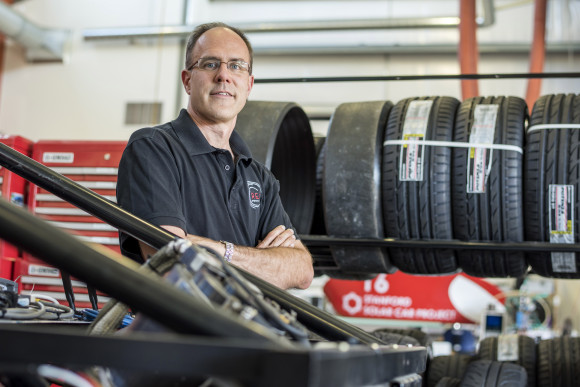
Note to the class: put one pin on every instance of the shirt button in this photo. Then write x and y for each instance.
(227, 167)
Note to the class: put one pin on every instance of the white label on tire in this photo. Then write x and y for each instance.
(507, 348)
(415, 129)
(479, 161)
(562, 226)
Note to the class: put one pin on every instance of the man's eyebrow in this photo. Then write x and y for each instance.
(229, 60)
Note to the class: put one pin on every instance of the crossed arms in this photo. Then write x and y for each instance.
(279, 258)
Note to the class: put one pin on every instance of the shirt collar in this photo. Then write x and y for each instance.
(195, 142)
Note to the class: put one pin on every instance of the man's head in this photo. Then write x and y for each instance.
(201, 29)
(218, 76)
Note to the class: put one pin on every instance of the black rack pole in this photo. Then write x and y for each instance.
(325, 241)
(323, 324)
(374, 78)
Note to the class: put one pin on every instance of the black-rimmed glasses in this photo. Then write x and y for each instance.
(213, 64)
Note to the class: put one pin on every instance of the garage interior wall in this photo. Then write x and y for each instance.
(84, 96)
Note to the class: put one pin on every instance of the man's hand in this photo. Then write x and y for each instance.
(278, 237)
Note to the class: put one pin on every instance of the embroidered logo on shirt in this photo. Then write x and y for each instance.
(255, 194)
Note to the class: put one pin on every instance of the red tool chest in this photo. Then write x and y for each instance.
(14, 189)
(93, 164)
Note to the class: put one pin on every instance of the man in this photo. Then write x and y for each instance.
(194, 177)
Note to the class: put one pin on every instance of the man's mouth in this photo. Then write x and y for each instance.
(222, 93)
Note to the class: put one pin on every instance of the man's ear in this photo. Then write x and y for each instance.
(185, 78)
(250, 83)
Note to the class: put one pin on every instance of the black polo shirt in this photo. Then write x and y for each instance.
(171, 175)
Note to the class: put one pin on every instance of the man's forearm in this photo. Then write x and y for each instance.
(279, 259)
(276, 262)
(285, 267)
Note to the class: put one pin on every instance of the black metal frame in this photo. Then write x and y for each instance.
(248, 361)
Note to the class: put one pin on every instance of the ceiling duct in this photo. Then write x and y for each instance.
(183, 31)
(41, 44)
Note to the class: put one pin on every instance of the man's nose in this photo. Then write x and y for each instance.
(223, 73)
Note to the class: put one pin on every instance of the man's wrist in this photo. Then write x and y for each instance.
(229, 250)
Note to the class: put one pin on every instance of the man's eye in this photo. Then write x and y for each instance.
(235, 66)
(210, 65)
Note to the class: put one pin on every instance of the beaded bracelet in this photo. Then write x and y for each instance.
(229, 250)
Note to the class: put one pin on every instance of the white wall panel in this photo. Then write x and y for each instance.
(85, 97)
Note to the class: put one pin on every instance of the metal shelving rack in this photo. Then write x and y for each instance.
(363, 361)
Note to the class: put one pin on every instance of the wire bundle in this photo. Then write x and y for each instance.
(41, 310)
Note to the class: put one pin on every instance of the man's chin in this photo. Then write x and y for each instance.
(225, 112)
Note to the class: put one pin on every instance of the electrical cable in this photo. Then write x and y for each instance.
(62, 375)
(160, 263)
(112, 314)
(43, 297)
(41, 310)
(268, 310)
(34, 311)
(56, 311)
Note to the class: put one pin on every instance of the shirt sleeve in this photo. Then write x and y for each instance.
(148, 186)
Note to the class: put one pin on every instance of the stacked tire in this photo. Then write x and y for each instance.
(521, 350)
(552, 176)
(280, 137)
(558, 362)
(489, 373)
(417, 182)
(434, 169)
(550, 363)
(351, 193)
(451, 368)
(469, 371)
(473, 371)
(488, 184)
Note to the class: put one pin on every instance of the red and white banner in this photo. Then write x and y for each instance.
(400, 296)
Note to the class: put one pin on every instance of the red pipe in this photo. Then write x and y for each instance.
(537, 53)
(468, 52)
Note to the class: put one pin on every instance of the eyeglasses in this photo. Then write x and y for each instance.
(212, 64)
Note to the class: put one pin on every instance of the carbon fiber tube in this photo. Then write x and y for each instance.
(83, 198)
(118, 277)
